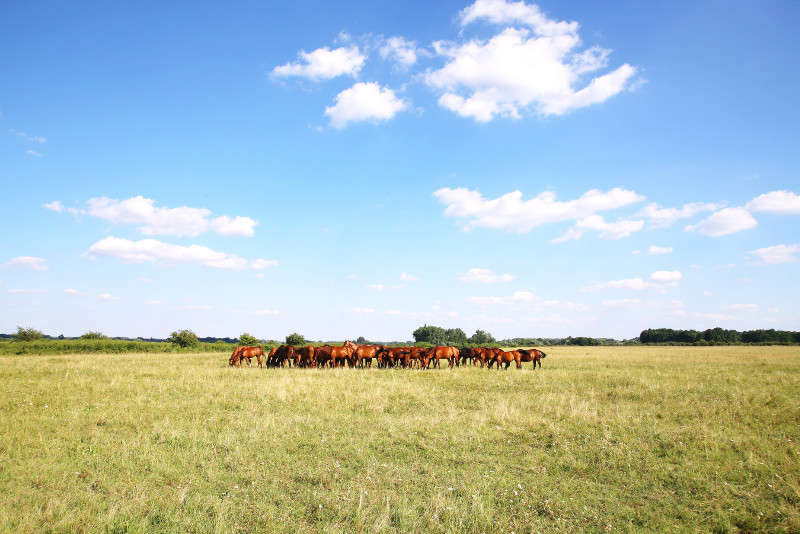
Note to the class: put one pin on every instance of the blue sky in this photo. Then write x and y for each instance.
(345, 169)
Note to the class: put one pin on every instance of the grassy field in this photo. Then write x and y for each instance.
(618, 439)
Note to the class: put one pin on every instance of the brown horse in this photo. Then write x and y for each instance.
(248, 353)
(532, 355)
(440, 353)
(322, 356)
(506, 357)
(283, 354)
(365, 354)
(304, 356)
(344, 354)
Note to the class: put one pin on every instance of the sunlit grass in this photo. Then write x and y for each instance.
(609, 438)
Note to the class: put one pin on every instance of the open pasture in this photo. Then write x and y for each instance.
(619, 439)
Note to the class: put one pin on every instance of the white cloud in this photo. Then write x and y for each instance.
(484, 276)
(519, 70)
(27, 262)
(519, 297)
(183, 221)
(380, 288)
(655, 250)
(669, 277)
(364, 102)
(263, 264)
(658, 281)
(75, 293)
(777, 254)
(34, 138)
(779, 202)
(402, 51)
(108, 296)
(509, 212)
(724, 222)
(617, 230)
(743, 307)
(360, 311)
(663, 217)
(23, 291)
(152, 251)
(407, 277)
(323, 64)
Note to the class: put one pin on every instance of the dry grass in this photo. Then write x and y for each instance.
(605, 438)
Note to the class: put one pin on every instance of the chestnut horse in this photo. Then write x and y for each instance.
(440, 353)
(345, 353)
(532, 355)
(506, 358)
(247, 353)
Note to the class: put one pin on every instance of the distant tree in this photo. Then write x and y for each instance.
(27, 334)
(248, 340)
(93, 335)
(481, 338)
(455, 336)
(184, 338)
(361, 340)
(295, 339)
(434, 335)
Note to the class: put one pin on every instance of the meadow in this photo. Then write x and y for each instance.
(601, 439)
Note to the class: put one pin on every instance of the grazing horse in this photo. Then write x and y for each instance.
(248, 353)
(391, 356)
(283, 354)
(304, 356)
(506, 357)
(532, 355)
(440, 353)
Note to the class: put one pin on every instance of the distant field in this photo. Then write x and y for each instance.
(619, 439)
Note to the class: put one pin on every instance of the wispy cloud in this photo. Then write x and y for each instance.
(509, 212)
(658, 280)
(153, 251)
(152, 220)
(724, 222)
(484, 276)
(27, 262)
(776, 254)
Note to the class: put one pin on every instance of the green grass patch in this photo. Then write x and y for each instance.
(600, 439)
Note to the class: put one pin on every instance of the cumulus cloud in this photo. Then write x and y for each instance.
(778, 202)
(776, 254)
(536, 66)
(399, 49)
(364, 102)
(323, 64)
(408, 277)
(27, 262)
(484, 276)
(108, 296)
(75, 293)
(509, 212)
(667, 277)
(724, 222)
(154, 251)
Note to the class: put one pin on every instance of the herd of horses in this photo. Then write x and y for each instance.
(352, 355)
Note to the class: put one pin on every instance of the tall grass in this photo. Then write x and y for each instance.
(600, 439)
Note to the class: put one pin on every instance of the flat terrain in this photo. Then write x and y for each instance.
(619, 439)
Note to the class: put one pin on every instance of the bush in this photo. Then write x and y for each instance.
(27, 334)
(184, 339)
(295, 339)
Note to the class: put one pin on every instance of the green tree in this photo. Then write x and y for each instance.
(361, 340)
(295, 339)
(248, 340)
(27, 334)
(481, 338)
(184, 338)
(93, 335)
(434, 335)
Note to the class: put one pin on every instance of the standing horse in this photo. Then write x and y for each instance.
(532, 355)
(506, 358)
(345, 353)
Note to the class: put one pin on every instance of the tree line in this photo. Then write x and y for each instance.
(715, 336)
